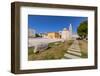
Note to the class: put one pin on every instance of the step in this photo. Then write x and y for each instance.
(74, 52)
(71, 56)
(75, 47)
(77, 50)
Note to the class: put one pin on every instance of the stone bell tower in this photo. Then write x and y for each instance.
(70, 30)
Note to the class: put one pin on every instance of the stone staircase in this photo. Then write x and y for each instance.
(73, 51)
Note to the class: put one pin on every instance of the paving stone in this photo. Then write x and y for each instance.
(77, 50)
(71, 56)
(74, 52)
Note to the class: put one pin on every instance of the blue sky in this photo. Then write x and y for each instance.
(48, 23)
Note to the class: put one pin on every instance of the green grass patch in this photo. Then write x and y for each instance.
(84, 48)
(30, 50)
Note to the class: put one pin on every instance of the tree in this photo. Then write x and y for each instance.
(83, 29)
(37, 35)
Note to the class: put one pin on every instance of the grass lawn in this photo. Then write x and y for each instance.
(84, 48)
(54, 51)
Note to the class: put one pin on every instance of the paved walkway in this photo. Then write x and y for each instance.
(73, 51)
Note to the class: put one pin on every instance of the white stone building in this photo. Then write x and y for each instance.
(66, 34)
